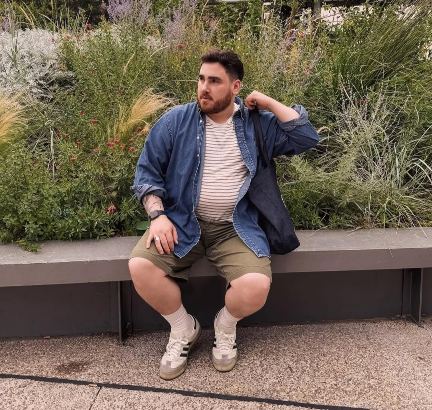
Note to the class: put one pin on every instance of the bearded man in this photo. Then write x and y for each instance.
(192, 178)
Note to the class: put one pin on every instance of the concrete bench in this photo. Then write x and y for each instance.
(86, 261)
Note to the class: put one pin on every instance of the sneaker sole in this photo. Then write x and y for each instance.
(180, 370)
(224, 367)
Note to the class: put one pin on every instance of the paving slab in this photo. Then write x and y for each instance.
(28, 394)
(373, 364)
(109, 398)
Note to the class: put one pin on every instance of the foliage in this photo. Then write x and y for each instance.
(89, 96)
(12, 118)
(51, 14)
(29, 63)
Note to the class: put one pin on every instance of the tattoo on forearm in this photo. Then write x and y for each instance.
(152, 203)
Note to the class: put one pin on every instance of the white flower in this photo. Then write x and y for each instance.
(28, 61)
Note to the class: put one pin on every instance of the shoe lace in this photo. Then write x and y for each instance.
(225, 341)
(175, 347)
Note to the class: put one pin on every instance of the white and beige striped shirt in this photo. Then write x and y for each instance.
(224, 172)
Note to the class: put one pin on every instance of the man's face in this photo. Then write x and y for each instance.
(216, 90)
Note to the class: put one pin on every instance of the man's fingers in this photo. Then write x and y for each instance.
(170, 241)
(159, 247)
(175, 235)
(149, 239)
(164, 243)
(251, 103)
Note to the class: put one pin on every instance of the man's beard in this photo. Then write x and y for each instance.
(217, 106)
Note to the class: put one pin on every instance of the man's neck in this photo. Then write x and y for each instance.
(223, 116)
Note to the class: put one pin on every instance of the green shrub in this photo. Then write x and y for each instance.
(68, 174)
(52, 14)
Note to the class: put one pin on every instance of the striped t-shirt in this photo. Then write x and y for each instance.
(224, 171)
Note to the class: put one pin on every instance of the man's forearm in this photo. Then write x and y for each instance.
(282, 112)
(152, 203)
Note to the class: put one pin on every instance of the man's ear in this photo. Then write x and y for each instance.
(237, 86)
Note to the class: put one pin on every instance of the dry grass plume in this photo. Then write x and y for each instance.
(136, 119)
(11, 117)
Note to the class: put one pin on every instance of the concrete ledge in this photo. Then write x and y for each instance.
(63, 262)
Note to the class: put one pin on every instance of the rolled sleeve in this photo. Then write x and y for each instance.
(153, 161)
(302, 120)
(145, 189)
(289, 137)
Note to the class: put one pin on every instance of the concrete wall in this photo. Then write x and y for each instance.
(76, 309)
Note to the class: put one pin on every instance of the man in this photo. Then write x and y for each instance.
(192, 178)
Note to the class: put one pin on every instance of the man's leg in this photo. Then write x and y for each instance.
(163, 294)
(247, 294)
(160, 291)
(250, 278)
(150, 273)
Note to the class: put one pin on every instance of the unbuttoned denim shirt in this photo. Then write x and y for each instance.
(171, 167)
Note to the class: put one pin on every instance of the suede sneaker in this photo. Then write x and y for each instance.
(174, 360)
(224, 352)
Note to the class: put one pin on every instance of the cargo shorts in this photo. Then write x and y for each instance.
(221, 245)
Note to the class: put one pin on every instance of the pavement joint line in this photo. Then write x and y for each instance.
(191, 393)
(94, 400)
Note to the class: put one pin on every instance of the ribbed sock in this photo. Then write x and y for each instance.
(180, 321)
(226, 321)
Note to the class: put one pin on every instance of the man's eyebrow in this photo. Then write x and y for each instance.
(211, 77)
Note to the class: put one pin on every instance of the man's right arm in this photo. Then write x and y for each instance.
(152, 203)
(153, 162)
(149, 184)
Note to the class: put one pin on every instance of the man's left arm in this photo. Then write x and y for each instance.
(287, 130)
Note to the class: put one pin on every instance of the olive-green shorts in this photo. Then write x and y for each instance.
(221, 245)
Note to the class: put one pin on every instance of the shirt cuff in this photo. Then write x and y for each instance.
(302, 120)
(145, 189)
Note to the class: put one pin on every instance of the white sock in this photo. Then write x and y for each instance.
(226, 321)
(180, 321)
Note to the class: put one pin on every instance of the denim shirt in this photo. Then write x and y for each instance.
(171, 166)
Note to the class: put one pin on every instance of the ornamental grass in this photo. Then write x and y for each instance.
(366, 83)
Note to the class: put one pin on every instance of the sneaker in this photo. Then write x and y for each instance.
(224, 352)
(174, 360)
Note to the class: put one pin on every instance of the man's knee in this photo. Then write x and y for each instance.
(141, 269)
(253, 287)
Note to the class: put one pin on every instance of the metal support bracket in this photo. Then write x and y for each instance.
(125, 327)
(412, 294)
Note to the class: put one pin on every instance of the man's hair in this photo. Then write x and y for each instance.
(228, 59)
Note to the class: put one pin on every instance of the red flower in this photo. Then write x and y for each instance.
(111, 209)
(82, 113)
(93, 121)
(110, 144)
(132, 149)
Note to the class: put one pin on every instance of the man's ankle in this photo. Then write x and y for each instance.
(225, 321)
(180, 321)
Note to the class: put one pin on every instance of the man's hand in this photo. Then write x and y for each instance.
(164, 234)
(259, 100)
